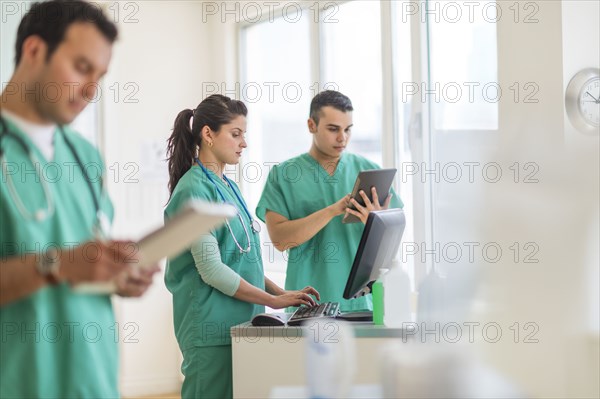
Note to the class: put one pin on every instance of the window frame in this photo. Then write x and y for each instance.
(390, 137)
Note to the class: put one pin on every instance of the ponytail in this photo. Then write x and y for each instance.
(181, 148)
(214, 111)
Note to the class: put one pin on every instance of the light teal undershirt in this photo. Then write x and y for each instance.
(211, 268)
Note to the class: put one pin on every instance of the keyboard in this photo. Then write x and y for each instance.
(323, 310)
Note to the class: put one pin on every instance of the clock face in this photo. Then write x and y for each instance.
(582, 101)
(589, 102)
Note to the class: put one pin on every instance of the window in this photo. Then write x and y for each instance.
(464, 66)
(276, 86)
(351, 60)
(402, 72)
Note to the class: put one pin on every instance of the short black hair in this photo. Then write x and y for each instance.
(329, 98)
(51, 19)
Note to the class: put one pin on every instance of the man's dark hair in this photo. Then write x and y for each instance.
(51, 19)
(329, 98)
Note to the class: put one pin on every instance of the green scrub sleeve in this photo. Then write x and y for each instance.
(396, 202)
(273, 198)
(212, 270)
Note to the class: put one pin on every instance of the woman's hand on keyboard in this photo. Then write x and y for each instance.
(295, 298)
(311, 291)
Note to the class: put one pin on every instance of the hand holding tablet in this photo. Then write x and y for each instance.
(380, 179)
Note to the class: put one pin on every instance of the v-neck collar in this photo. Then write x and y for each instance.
(215, 178)
(235, 197)
(338, 169)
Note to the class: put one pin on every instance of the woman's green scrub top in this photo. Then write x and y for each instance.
(299, 187)
(55, 342)
(202, 314)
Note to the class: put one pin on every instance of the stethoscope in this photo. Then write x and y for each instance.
(253, 223)
(40, 215)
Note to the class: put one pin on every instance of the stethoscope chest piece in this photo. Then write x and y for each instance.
(41, 215)
(255, 226)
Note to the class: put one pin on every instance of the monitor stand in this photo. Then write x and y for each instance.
(356, 316)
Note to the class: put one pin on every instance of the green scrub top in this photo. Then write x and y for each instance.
(299, 187)
(55, 342)
(202, 314)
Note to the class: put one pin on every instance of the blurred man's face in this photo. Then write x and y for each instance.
(69, 80)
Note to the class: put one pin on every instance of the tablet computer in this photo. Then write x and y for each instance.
(195, 218)
(381, 179)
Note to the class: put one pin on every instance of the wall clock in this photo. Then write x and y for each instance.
(582, 101)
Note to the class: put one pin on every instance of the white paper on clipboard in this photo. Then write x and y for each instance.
(197, 217)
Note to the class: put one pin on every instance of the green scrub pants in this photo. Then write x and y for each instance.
(207, 372)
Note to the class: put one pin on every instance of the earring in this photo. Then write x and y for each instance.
(210, 144)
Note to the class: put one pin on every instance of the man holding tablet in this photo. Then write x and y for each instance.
(306, 197)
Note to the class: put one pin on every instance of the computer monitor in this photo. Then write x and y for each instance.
(378, 245)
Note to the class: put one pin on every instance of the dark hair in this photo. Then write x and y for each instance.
(329, 98)
(214, 111)
(51, 19)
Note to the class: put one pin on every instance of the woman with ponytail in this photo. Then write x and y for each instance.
(220, 282)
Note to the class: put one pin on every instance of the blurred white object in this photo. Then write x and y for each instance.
(396, 296)
(364, 391)
(330, 358)
(416, 370)
(431, 305)
(546, 296)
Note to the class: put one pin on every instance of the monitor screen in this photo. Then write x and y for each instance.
(378, 246)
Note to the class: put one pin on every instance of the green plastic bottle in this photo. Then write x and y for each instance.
(378, 310)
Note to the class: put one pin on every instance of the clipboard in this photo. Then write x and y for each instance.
(197, 217)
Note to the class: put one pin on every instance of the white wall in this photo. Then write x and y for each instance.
(581, 49)
(10, 17)
(558, 214)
